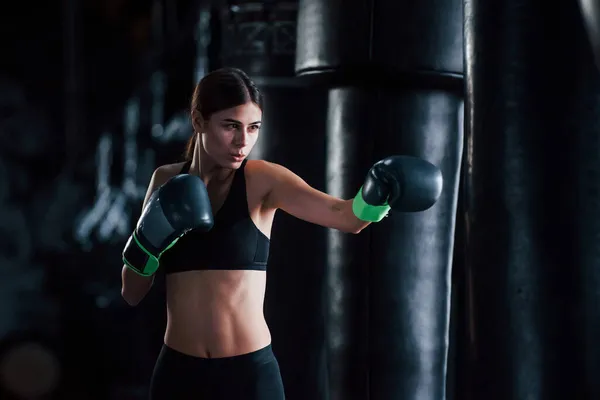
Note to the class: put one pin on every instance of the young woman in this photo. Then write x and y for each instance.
(217, 343)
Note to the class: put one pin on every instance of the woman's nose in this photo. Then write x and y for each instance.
(241, 138)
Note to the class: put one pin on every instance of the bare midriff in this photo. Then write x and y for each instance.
(216, 313)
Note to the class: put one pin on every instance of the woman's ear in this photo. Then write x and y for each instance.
(197, 121)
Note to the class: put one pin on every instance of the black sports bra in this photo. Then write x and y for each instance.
(234, 242)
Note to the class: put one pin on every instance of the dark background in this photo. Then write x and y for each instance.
(492, 294)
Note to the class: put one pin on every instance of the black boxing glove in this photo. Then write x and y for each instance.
(178, 206)
(400, 183)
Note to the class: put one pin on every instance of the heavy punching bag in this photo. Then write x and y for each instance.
(519, 200)
(394, 74)
(590, 11)
(584, 122)
(260, 38)
(348, 255)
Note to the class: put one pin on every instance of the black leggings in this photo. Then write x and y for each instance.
(252, 376)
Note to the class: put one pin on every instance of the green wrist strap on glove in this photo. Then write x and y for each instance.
(367, 212)
(140, 260)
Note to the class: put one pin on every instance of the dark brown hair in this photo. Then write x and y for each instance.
(219, 90)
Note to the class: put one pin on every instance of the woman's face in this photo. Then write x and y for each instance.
(229, 135)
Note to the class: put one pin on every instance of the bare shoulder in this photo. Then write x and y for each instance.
(258, 167)
(166, 172)
(160, 176)
(260, 178)
(257, 174)
(267, 178)
(266, 170)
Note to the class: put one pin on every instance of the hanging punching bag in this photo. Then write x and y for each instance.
(584, 122)
(519, 200)
(394, 74)
(260, 38)
(348, 255)
(590, 11)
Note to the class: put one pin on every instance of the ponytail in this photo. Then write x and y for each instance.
(190, 147)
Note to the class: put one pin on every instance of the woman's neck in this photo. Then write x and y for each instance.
(203, 166)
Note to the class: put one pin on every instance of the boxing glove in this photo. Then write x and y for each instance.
(400, 183)
(176, 207)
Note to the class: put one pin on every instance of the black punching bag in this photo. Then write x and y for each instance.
(260, 38)
(584, 122)
(590, 11)
(394, 74)
(519, 208)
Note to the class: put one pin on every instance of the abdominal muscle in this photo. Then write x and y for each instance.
(216, 313)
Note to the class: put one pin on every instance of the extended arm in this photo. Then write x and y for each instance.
(293, 195)
(401, 183)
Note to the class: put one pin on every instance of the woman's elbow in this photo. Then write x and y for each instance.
(132, 298)
(129, 298)
(134, 288)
